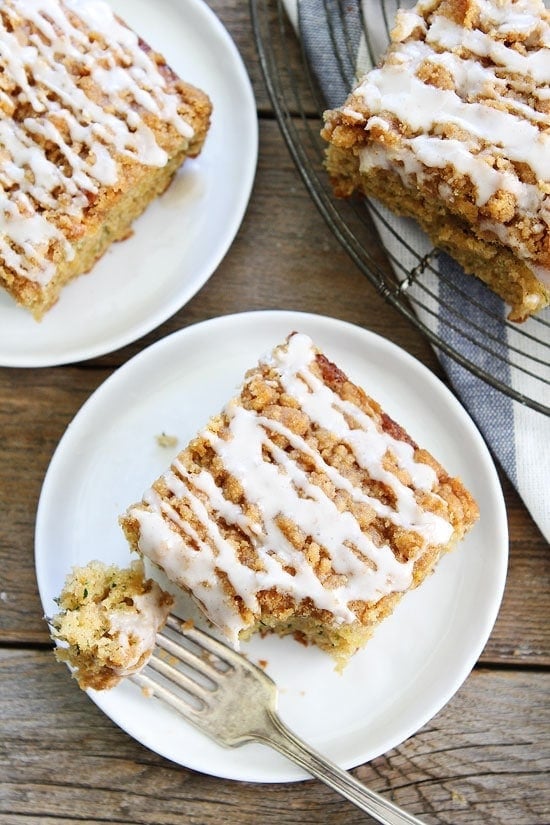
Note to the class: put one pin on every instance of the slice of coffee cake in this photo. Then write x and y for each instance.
(93, 126)
(453, 129)
(301, 508)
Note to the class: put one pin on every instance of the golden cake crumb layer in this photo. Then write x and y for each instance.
(108, 620)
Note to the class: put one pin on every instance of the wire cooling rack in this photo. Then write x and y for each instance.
(513, 358)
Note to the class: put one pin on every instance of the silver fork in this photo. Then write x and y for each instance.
(234, 702)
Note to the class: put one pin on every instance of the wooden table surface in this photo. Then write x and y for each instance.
(483, 759)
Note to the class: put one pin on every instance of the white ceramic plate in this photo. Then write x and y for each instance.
(182, 237)
(418, 657)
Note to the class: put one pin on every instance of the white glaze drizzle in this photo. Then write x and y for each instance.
(136, 627)
(510, 130)
(277, 487)
(124, 76)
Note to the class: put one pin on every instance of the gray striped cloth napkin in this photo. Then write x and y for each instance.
(518, 437)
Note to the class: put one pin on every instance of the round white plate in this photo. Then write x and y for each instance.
(182, 237)
(419, 656)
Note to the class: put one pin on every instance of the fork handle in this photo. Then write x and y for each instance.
(286, 742)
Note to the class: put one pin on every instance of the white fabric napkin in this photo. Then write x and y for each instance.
(518, 436)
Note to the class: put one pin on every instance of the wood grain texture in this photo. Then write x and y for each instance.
(483, 760)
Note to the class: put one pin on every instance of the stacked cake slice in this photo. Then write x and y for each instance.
(453, 129)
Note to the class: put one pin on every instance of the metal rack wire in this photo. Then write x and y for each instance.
(404, 274)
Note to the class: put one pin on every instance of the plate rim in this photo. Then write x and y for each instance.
(248, 121)
(331, 324)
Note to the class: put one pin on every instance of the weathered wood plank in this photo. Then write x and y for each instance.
(483, 759)
(237, 19)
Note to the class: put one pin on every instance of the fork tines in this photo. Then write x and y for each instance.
(185, 658)
(234, 702)
(210, 684)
